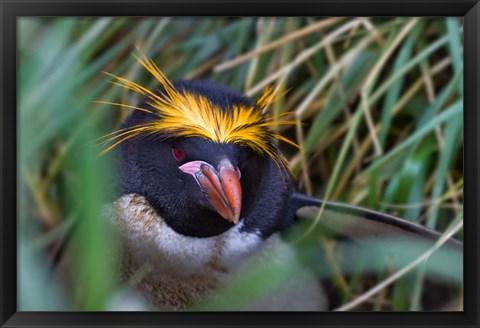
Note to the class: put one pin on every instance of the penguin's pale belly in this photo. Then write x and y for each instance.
(181, 270)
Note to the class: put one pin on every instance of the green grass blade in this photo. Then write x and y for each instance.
(453, 111)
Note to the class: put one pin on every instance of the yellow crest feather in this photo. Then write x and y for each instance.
(183, 114)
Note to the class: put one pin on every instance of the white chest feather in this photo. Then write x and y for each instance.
(183, 270)
(174, 259)
(153, 240)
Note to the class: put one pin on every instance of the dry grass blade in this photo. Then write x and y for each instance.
(419, 260)
(303, 56)
(365, 93)
(331, 74)
(378, 36)
(451, 195)
(303, 159)
(277, 43)
(349, 171)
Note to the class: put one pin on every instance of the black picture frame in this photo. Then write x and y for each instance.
(10, 10)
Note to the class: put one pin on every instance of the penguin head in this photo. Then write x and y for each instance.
(203, 155)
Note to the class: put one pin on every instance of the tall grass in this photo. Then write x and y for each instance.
(380, 106)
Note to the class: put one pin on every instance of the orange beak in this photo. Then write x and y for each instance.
(222, 188)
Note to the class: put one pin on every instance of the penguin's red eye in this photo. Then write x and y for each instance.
(177, 154)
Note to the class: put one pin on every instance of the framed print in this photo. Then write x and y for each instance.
(235, 163)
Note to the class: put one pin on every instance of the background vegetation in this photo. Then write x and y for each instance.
(380, 102)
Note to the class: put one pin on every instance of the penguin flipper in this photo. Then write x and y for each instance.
(357, 223)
